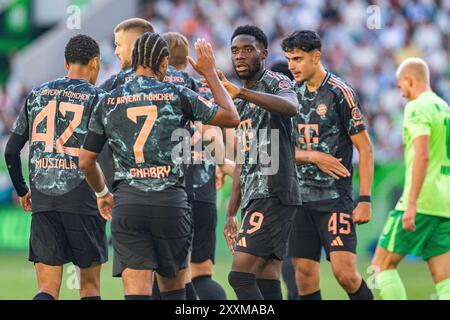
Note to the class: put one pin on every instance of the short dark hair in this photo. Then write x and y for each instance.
(250, 30)
(282, 67)
(81, 49)
(149, 51)
(138, 24)
(305, 40)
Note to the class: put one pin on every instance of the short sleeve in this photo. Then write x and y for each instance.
(21, 126)
(417, 121)
(197, 107)
(280, 84)
(350, 112)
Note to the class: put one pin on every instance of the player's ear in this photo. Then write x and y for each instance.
(316, 56)
(66, 64)
(263, 54)
(95, 63)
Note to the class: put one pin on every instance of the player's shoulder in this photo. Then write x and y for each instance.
(341, 88)
(275, 79)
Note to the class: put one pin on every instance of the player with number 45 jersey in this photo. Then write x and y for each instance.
(328, 125)
(66, 225)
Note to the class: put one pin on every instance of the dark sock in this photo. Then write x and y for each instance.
(174, 295)
(156, 294)
(288, 273)
(43, 296)
(137, 297)
(191, 294)
(363, 293)
(270, 289)
(208, 289)
(245, 286)
(312, 296)
(91, 298)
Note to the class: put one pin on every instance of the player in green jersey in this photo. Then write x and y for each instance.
(420, 223)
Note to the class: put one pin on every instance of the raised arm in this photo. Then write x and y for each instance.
(227, 115)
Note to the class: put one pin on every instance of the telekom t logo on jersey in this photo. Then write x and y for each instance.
(309, 133)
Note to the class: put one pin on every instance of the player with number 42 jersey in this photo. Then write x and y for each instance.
(65, 225)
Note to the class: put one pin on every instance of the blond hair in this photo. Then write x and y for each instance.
(137, 24)
(178, 47)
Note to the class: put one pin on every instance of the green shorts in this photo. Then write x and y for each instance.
(430, 239)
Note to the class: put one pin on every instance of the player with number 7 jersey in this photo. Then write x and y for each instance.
(66, 225)
(143, 122)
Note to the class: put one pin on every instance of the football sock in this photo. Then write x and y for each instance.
(208, 289)
(91, 298)
(245, 286)
(156, 294)
(270, 289)
(190, 292)
(443, 289)
(363, 293)
(312, 296)
(179, 294)
(288, 272)
(391, 285)
(137, 297)
(43, 296)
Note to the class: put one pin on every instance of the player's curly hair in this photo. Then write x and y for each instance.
(81, 49)
(305, 40)
(149, 51)
(251, 30)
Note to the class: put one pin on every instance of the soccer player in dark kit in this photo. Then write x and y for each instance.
(65, 225)
(268, 200)
(327, 127)
(125, 35)
(151, 226)
(200, 178)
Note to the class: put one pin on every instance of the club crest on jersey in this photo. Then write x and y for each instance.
(205, 101)
(321, 109)
(356, 114)
(284, 84)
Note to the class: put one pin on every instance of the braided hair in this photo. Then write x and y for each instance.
(149, 51)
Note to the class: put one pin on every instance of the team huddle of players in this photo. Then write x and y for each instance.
(107, 153)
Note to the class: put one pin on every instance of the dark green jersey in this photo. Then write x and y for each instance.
(254, 133)
(55, 119)
(200, 174)
(204, 167)
(139, 121)
(327, 119)
(105, 158)
(178, 77)
(117, 79)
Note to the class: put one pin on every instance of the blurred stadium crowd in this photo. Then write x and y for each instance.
(365, 57)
